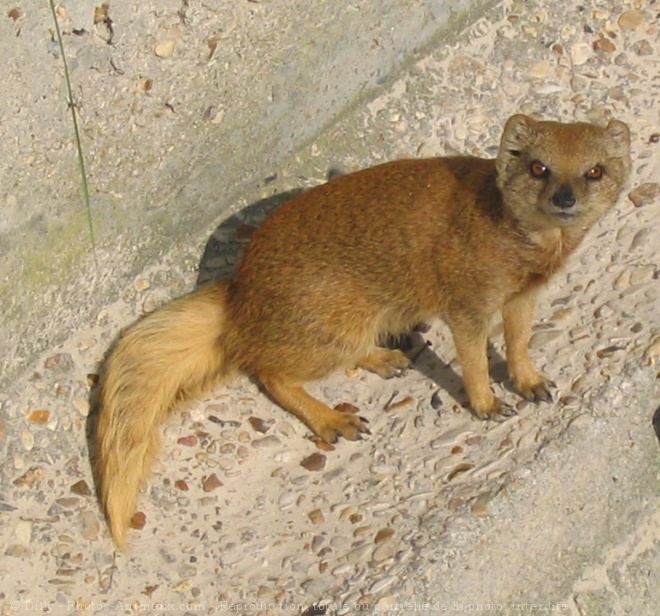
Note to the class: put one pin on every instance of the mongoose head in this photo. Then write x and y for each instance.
(560, 175)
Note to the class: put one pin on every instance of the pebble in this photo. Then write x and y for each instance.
(89, 525)
(27, 440)
(315, 462)
(266, 442)
(359, 554)
(211, 483)
(286, 500)
(165, 49)
(385, 550)
(81, 488)
(652, 351)
(644, 194)
(39, 417)
(603, 44)
(631, 20)
(23, 532)
(81, 405)
(641, 274)
(316, 516)
(382, 584)
(541, 70)
(141, 284)
(60, 363)
(580, 53)
(542, 338)
(642, 237)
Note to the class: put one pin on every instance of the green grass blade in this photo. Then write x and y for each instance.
(74, 117)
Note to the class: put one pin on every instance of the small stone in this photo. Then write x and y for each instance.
(459, 469)
(382, 584)
(211, 483)
(652, 351)
(82, 404)
(89, 525)
(266, 441)
(399, 404)
(480, 507)
(603, 44)
(81, 488)
(359, 554)
(138, 521)
(386, 604)
(286, 500)
(321, 444)
(642, 274)
(580, 53)
(165, 49)
(260, 425)
(609, 351)
(60, 362)
(181, 485)
(68, 502)
(642, 237)
(316, 516)
(385, 550)
(541, 70)
(540, 339)
(17, 551)
(23, 532)
(631, 20)
(27, 439)
(644, 194)
(643, 48)
(383, 535)
(30, 478)
(315, 462)
(188, 441)
(183, 586)
(141, 284)
(39, 417)
(92, 381)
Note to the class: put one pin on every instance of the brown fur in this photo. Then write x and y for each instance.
(368, 254)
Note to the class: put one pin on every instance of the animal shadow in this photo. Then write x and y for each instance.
(227, 242)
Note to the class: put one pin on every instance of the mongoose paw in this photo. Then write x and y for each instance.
(337, 424)
(387, 363)
(540, 392)
(498, 412)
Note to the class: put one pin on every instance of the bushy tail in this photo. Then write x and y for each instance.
(168, 356)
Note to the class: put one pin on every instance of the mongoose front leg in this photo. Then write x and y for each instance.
(385, 362)
(517, 314)
(470, 339)
(326, 423)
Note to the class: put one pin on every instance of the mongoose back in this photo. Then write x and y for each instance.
(331, 273)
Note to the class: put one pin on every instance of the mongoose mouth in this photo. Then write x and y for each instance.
(565, 216)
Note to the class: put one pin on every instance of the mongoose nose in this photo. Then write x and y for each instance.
(563, 198)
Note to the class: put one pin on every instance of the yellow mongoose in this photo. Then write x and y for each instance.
(329, 274)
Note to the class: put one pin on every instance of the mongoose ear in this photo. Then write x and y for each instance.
(516, 134)
(618, 138)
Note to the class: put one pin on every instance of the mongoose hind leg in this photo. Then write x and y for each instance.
(386, 363)
(326, 423)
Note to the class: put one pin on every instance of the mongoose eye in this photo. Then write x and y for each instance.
(595, 173)
(539, 170)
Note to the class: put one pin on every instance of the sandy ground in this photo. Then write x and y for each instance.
(554, 510)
